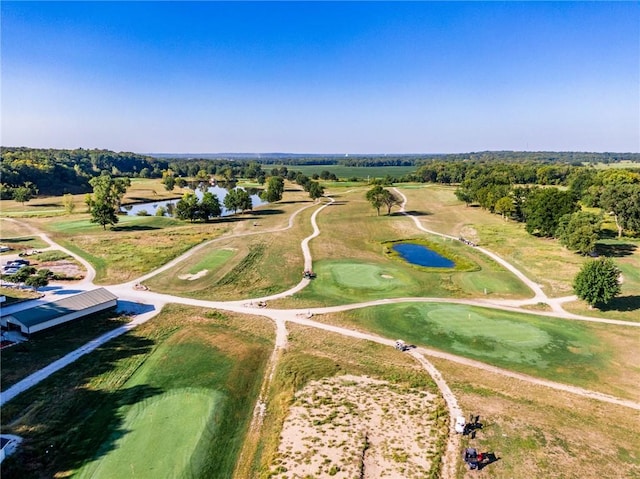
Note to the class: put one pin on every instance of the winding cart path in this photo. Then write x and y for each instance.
(147, 304)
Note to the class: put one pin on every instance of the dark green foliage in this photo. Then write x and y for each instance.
(274, 190)
(374, 196)
(24, 193)
(238, 200)
(209, 206)
(623, 201)
(315, 190)
(187, 207)
(104, 204)
(597, 282)
(543, 209)
(579, 231)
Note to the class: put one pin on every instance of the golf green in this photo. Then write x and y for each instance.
(360, 275)
(548, 346)
(158, 437)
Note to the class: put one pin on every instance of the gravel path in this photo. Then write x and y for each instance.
(154, 303)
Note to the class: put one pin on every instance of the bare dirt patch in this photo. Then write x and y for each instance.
(352, 426)
(68, 268)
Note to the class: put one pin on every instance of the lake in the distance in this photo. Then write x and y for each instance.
(151, 207)
(421, 255)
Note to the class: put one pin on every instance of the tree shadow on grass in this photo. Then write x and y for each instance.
(134, 228)
(623, 303)
(268, 212)
(24, 239)
(615, 250)
(414, 213)
(67, 420)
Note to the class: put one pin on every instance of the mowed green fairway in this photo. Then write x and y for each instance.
(172, 398)
(350, 281)
(566, 351)
(163, 434)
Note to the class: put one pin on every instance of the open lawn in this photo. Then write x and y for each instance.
(439, 210)
(346, 172)
(352, 264)
(593, 356)
(259, 263)
(198, 371)
(543, 433)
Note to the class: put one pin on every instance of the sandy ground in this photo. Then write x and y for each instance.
(349, 427)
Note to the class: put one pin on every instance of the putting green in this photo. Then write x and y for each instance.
(365, 276)
(548, 346)
(486, 335)
(158, 437)
(212, 261)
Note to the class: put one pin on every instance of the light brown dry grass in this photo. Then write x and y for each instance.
(539, 432)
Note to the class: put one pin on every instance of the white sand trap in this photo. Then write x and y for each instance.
(192, 277)
(386, 276)
(340, 427)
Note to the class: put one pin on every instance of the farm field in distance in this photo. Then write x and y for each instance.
(246, 398)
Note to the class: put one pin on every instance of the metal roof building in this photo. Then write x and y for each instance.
(46, 316)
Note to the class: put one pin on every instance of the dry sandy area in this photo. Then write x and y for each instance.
(69, 268)
(357, 427)
(193, 277)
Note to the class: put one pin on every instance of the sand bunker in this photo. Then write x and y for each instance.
(350, 426)
(386, 276)
(193, 277)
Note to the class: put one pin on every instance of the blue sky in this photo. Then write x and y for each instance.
(326, 77)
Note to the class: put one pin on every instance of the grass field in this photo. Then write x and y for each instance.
(171, 425)
(539, 432)
(346, 172)
(253, 265)
(186, 380)
(588, 355)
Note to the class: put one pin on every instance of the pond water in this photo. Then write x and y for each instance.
(421, 255)
(151, 207)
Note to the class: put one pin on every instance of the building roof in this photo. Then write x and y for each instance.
(62, 307)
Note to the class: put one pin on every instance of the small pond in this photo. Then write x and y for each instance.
(421, 255)
(150, 208)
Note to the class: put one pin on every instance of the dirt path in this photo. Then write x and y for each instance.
(128, 295)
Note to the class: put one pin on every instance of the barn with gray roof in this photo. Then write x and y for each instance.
(52, 314)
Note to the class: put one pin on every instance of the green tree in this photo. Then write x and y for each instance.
(244, 200)
(390, 200)
(543, 209)
(274, 189)
(104, 204)
(375, 197)
(24, 193)
(597, 282)
(38, 280)
(316, 190)
(622, 200)
(168, 180)
(209, 206)
(505, 207)
(68, 203)
(579, 231)
(464, 194)
(232, 201)
(187, 207)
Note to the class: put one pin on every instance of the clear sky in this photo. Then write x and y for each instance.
(326, 77)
